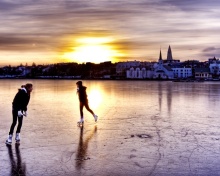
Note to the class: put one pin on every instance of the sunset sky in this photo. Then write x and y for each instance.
(52, 31)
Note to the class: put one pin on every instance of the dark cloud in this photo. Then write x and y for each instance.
(210, 49)
(211, 55)
(6, 6)
(138, 25)
(25, 43)
(193, 5)
(210, 52)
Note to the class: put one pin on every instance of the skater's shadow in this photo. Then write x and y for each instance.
(81, 155)
(17, 167)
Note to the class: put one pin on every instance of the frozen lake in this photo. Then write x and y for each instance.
(144, 128)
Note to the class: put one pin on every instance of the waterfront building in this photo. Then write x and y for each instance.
(182, 72)
(212, 60)
(202, 73)
(133, 69)
(162, 71)
(121, 67)
(214, 67)
(139, 73)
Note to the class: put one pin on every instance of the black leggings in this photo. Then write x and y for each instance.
(14, 122)
(86, 104)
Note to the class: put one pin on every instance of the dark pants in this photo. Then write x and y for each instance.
(86, 104)
(14, 122)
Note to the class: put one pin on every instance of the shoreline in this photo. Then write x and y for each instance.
(110, 79)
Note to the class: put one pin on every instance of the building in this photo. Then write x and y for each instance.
(182, 72)
(139, 73)
(162, 71)
(202, 73)
(121, 67)
(214, 67)
(169, 55)
(170, 59)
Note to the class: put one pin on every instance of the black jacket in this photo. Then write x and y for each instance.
(82, 94)
(21, 100)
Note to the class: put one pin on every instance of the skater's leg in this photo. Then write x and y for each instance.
(14, 122)
(81, 105)
(81, 109)
(20, 120)
(88, 109)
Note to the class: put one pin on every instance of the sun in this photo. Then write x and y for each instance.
(92, 49)
(95, 98)
(92, 53)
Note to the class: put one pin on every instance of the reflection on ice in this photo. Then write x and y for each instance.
(144, 128)
(82, 154)
(17, 166)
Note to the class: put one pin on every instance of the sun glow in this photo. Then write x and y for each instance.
(92, 49)
(95, 98)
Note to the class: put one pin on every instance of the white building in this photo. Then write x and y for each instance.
(138, 73)
(121, 67)
(162, 71)
(147, 70)
(182, 72)
(215, 67)
(24, 70)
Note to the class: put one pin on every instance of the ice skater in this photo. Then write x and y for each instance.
(19, 109)
(83, 101)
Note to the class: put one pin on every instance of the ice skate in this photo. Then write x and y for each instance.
(9, 140)
(95, 117)
(81, 122)
(17, 138)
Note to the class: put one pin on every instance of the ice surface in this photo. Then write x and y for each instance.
(144, 128)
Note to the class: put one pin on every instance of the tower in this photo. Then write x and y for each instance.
(160, 61)
(169, 54)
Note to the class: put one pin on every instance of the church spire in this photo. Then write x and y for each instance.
(160, 61)
(169, 54)
(160, 58)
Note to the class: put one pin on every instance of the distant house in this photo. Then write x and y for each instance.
(24, 71)
(138, 73)
(133, 69)
(121, 67)
(106, 76)
(202, 73)
(214, 67)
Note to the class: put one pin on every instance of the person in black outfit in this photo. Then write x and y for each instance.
(83, 100)
(19, 109)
